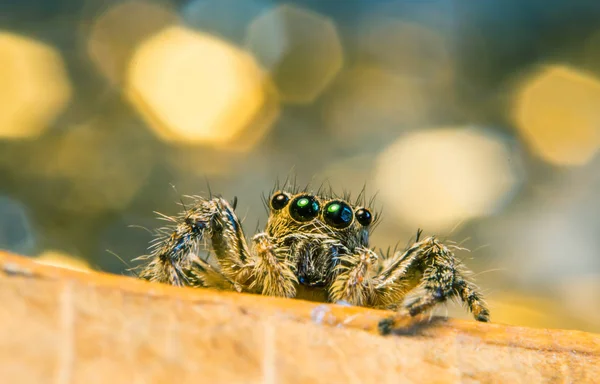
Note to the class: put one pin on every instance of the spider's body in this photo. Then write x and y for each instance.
(314, 247)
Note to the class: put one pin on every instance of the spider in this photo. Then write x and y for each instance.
(314, 247)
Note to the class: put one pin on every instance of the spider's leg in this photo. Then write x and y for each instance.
(351, 283)
(207, 276)
(396, 277)
(443, 277)
(271, 268)
(174, 259)
(470, 294)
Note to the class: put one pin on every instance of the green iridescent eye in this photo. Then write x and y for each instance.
(304, 208)
(338, 214)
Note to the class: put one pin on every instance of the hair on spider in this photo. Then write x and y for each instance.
(418, 236)
(210, 195)
(180, 199)
(129, 267)
(314, 246)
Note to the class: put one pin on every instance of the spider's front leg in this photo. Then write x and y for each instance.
(442, 277)
(174, 254)
(174, 258)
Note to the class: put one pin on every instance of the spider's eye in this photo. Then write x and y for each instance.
(304, 208)
(364, 216)
(279, 201)
(338, 214)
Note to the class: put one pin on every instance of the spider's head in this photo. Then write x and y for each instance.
(317, 229)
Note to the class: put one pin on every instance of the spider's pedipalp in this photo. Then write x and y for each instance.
(352, 282)
(272, 268)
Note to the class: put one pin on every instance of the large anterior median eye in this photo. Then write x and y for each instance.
(304, 208)
(338, 214)
(279, 201)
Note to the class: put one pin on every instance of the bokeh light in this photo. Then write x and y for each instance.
(63, 260)
(34, 86)
(558, 113)
(436, 179)
(191, 87)
(113, 37)
(301, 48)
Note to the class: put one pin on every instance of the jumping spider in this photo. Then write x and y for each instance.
(314, 247)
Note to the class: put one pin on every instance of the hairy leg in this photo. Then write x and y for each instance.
(443, 277)
(470, 294)
(173, 257)
(351, 283)
(271, 268)
(174, 254)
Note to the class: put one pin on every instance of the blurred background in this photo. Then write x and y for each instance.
(477, 121)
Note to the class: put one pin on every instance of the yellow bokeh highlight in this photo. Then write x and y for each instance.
(194, 88)
(63, 260)
(557, 111)
(437, 179)
(34, 87)
(114, 35)
(301, 48)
